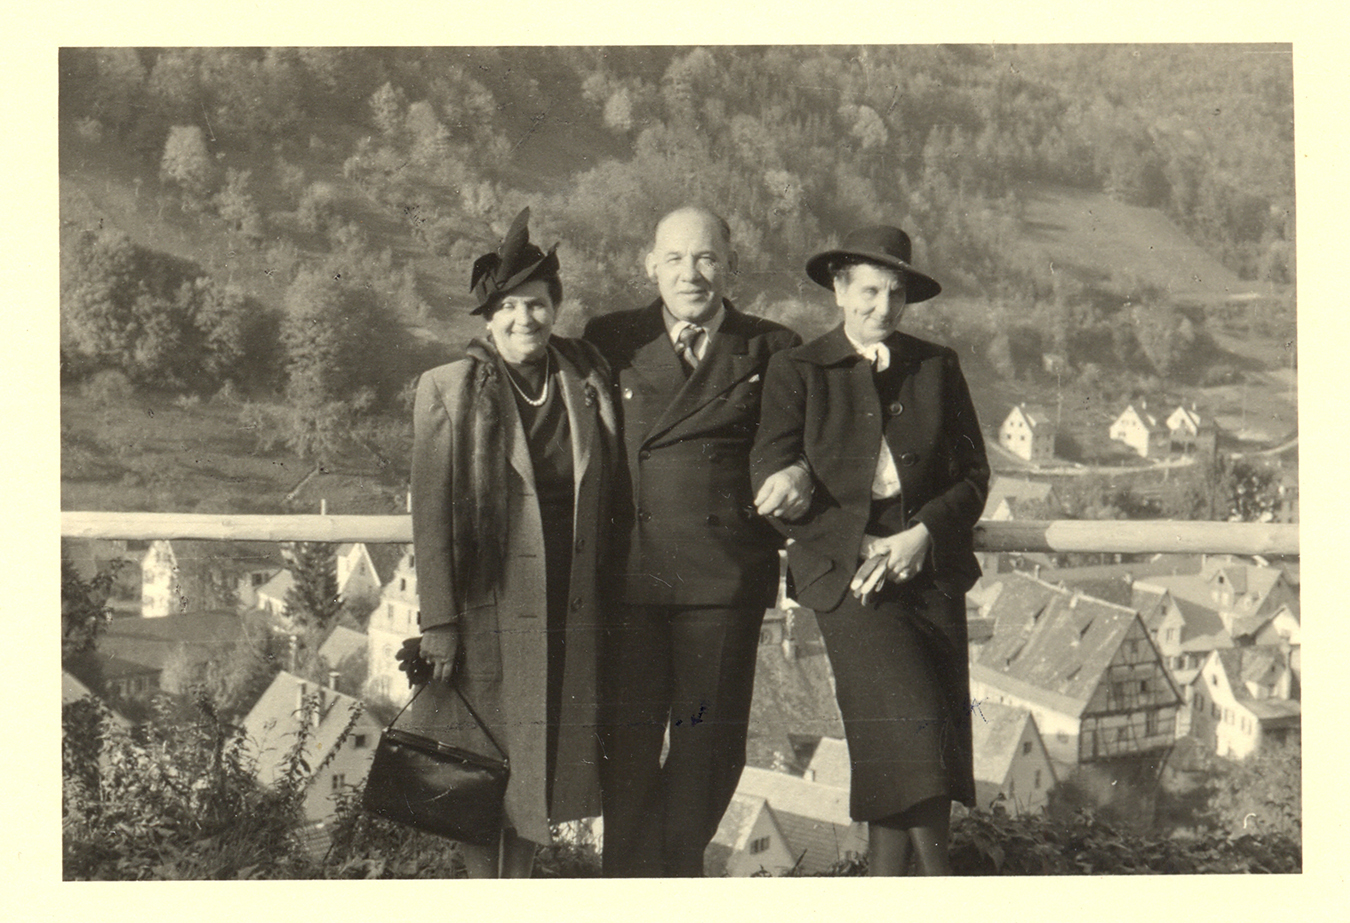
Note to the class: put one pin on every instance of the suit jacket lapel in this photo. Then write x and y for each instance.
(726, 362)
(655, 361)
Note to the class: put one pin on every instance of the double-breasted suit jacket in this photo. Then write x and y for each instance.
(502, 620)
(693, 537)
(820, 403)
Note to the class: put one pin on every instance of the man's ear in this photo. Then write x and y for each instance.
(649, 263)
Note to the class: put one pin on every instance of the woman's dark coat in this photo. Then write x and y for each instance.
(480, 565)
(819, 403)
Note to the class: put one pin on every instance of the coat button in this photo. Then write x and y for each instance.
(897, 407)
(645, 454)
(644, 516)
(713, 520)
(577, 604)
(908, 458)
(627, 394)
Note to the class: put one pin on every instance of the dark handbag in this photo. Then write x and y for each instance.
(438, 788)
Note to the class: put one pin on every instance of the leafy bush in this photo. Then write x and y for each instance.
(175, 798)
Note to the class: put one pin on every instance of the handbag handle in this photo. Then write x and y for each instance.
(459, 692)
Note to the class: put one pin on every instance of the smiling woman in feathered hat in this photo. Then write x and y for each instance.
(884, 554)
(513, 454)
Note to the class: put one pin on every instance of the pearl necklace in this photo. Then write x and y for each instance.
(543, 392)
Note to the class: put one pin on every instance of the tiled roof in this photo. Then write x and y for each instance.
(341, 643)
(1052, 639)
(995, 732)
(1014, 490)
(271, 725)
(786, 792)
(830, 764)
(738, 820)
(152, 641)
(279, 585)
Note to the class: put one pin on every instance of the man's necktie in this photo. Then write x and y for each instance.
(686, 344)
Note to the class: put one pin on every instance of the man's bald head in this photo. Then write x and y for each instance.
(696, 213)
(691, 262)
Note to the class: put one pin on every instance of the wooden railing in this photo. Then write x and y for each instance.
(1125, 537)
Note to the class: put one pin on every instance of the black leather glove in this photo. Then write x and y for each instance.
(410, 661)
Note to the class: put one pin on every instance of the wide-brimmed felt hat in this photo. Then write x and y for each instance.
(515, 262)
(881, 244)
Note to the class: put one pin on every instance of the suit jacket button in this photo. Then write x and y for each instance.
(628, 394)
(897, 407)
(645, 454)
(577, 604)
(644, 516)
(908, 458)
(713, 520)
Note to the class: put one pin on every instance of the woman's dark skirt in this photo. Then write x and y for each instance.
(902, 679)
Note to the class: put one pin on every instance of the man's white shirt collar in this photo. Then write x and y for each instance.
(674, 326)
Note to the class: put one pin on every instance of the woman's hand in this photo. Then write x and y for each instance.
(440, 647)
(896, 558)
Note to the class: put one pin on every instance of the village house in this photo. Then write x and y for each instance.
(1141, 431)
(344, 652)
(363, 570)
(1014, 498)
(811, 829)
(142, 655)
(1086, 669)
(1028, 433)
(192, 575)
(274, 726)
(1189, 433)
(1255, 603)
(1242, 699)
(393, 620)
(748, 842)
(1012, 766)
(270, 597)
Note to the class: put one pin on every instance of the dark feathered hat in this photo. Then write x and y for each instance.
(515, 262)
(882, 244)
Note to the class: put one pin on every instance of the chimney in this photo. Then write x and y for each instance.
(789, 649)
(809, 775)
(292, 652)
(1036, 571)
(323, 507)
(407, 504)
(333, 679)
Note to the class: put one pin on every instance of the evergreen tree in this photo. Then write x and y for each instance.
(313, 602)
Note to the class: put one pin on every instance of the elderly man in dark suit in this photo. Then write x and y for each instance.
(698, 565)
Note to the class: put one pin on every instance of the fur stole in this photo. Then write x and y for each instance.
(478, 511)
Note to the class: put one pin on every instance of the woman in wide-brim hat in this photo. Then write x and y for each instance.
(884, 555)
(514, 451)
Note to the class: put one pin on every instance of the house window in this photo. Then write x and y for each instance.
(1026, 747)
(358, 741)
(759, 845)
(402, 583)
(1150, 723)
(339, 780)
(1036, 780)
